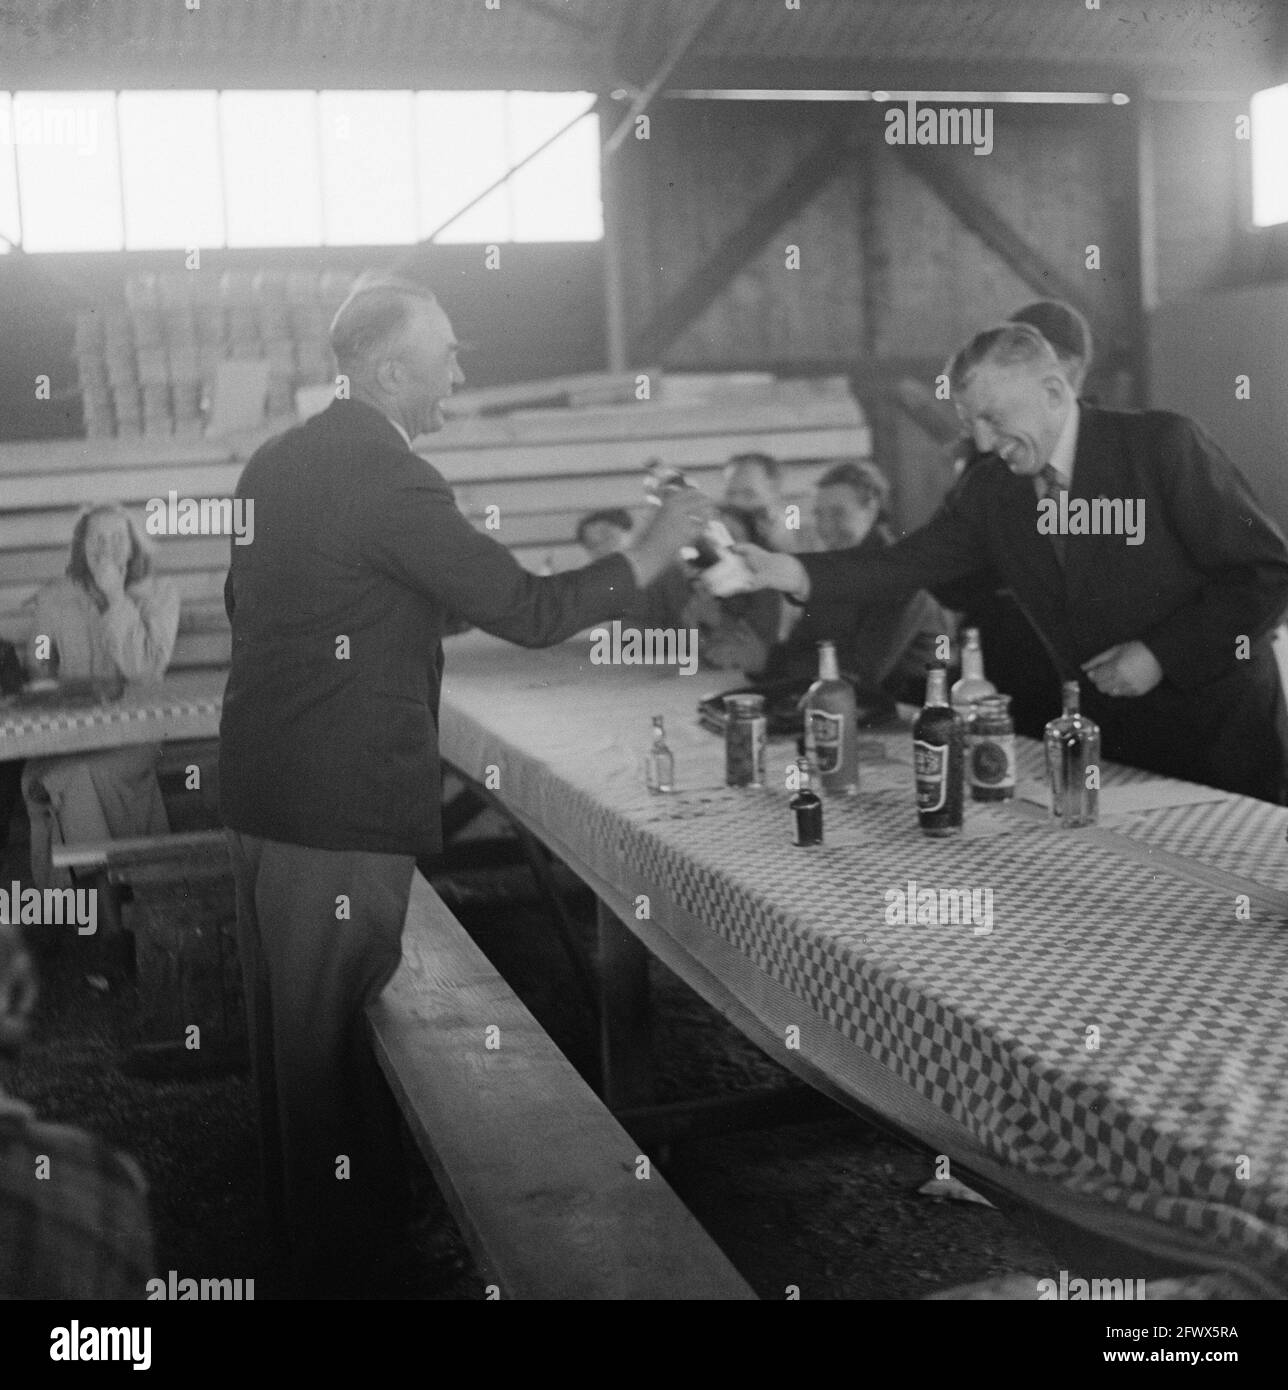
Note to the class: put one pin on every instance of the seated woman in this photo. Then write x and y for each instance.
(109, 619)
(881, 646)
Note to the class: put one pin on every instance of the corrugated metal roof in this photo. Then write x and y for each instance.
(589, 43)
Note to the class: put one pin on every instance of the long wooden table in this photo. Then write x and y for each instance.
(1112, 1050)
(183, 706)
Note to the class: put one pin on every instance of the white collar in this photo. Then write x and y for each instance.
(1065, 448)
(399, 428)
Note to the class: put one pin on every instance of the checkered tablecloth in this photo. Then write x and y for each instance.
(1119, 1032)
(186, 705)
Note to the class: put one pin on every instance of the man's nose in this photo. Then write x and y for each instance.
(985, 437)
(458, 376)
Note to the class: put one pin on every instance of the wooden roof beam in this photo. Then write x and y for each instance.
(809, 177)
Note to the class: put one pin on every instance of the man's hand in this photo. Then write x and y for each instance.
(107, 575)
(1129, 669)
(773, 570)
(677, 522)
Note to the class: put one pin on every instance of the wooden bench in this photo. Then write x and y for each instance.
(546, 1186)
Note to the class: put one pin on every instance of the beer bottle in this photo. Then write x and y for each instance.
(831, 726)
(1072, 750)
(807, 809)
(938, 746)
(660, 762)
(973, 685)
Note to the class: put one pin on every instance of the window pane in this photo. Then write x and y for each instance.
(1270, 156)
(461, 148)
(556, 197)
(272, 182)
(68, 171)
(170, 170)
(9, 228)
(368, 168)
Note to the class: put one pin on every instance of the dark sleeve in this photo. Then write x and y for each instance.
(414, 531)
(884, 637)
(945, 549)
(1240, 552)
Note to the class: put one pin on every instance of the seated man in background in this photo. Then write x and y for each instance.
(605, 532)
(112, 620)
(886, 645)
(1014, 658)
(75, 1225)
(733, 634)
(754, 488)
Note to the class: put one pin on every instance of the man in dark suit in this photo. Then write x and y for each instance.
(1013, 652)
(329, 767)
(1172, 636)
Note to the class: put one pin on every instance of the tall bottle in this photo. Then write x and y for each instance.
(714, 543)
(1072, 751)
(973, 686)
(831, 726)
(659, 765)
(938, 752)
(806, 808)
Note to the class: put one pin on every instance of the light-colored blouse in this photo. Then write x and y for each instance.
(133, 639)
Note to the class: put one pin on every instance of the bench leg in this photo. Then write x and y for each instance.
(625, 1025)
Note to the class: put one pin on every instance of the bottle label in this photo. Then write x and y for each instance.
(930, 765)
(991, 759)
(824, 739)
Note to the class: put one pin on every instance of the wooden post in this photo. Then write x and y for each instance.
(625, 1024)
(611, 185)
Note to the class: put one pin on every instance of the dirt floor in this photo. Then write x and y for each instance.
(831, 1208)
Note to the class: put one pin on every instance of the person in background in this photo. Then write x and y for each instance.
(887, 644)
(735, 633)
(605, 532)
(73, 1213)
(1014, 657)
(754, 489)
(109, 619)
(1170, 635)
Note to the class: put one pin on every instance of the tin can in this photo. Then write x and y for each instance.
(745, 741)
(990, 750)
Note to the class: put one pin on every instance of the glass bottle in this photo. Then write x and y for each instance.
(831, 726)
(938, 752)
(1072, 750)
(660, 762)
(973, 686)
(807, 808)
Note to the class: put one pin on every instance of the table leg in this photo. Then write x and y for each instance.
(625, 1024)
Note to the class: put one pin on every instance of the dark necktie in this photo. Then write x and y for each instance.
(1051, 485)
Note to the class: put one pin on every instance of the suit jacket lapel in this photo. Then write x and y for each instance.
(1096, 473)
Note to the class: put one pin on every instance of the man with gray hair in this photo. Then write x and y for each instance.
(329, 767)
(1168, 631)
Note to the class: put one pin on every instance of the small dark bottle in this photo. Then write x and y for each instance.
(807, 808)
(938, 751)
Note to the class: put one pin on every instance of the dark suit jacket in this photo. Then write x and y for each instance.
(885, 644)
(1213, 568)
(358, 538)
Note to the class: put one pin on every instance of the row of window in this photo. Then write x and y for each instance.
(144, 170)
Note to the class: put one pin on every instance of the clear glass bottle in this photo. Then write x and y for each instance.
(1072, 749)
(659, 765)
(973, 686)
(831, 726)
(807, 808)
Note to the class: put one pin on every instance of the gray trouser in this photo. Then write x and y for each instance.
(320, 936)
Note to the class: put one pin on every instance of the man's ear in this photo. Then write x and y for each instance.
(1057, 388)
(389, 375)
